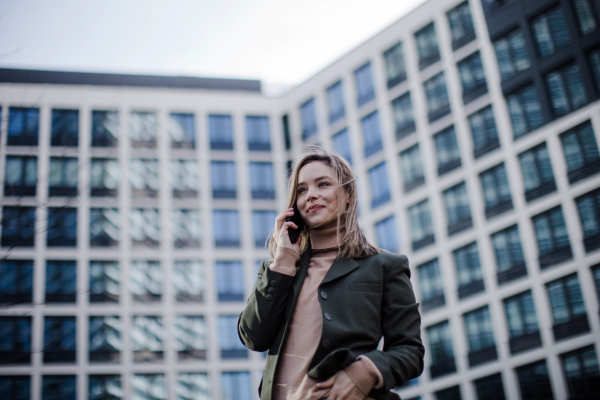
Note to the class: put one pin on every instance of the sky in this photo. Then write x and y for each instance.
(280, 42)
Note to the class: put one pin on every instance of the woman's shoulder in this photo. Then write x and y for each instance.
(387, 260)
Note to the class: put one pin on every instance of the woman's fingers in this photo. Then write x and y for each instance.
(328, 383)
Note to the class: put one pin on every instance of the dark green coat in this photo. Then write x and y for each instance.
(364, 299)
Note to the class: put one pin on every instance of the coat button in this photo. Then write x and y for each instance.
(269, 297)
(326, 343)
(324, 295)
(274, 282)
(271, 290)
(327, 316)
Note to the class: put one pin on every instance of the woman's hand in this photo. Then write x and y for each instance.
(342, 387)
(280, 233)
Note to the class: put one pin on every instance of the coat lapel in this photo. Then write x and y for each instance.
(339, 268)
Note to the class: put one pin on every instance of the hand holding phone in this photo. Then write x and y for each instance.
(297, 219)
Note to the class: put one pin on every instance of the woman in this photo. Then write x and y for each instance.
(322, 305)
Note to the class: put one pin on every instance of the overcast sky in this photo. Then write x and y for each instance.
(277, 41)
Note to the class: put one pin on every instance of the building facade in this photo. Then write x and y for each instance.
(135, 209)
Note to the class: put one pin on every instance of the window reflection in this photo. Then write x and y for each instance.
(193, 386)
(147, 338)
(23, 126)
(223, 179)
(143, 177)
(18, 225)
(185, 228)
(364, 84)
(262, 181)
(144, 227)
(182, 131)
(309, 119)
(335, 100)
(143, 127)
(145, 280)
(220, 130)
(184, 178)
(189, 280)
(104, 281)
(62, 180)
(105, 339)
(105, 177)
(65, 128)
(257, 131)
(190, 337)
(16, 281)
(149, 387)
(105, 126)
(20, 176)
(61, 281)
(104, 227)
(62, 227)
(105, 387)
(59, 339)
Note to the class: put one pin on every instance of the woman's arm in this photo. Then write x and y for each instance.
(402, 356)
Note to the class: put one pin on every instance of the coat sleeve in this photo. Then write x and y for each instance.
(261, 320)
(402, 356)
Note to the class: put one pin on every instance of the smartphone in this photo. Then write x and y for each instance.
(297, 219)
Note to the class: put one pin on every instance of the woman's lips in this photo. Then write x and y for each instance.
(315, 208)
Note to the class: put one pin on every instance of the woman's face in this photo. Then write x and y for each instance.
(316, 193)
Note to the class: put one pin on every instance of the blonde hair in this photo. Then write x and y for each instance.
(353, 244)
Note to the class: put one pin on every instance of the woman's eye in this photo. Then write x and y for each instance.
(323, 184)
(301, 190)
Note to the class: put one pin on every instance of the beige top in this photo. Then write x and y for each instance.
(291, 379)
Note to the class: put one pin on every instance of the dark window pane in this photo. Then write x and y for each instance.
(59, 339)
(536, 170)
(394, 65)
(105, 343)
(371, 134)
(472, 77)
(588, 206)
(15, 340)
(427, 46)
(23, 126)
(105, 126)
(511, 53)
(61, 281)
(411, 165)
(223, 179)
(496, 192)
(220, 129)
(581, 152)
(16, 281)
(341, 143)
(62, 179)
(404, 119)
(65, 128)
(468, 270)
(364, 84)
(182, 131)
(387, 238)
(447, 152)
(230, 282)
(16, 387)
(566, 89)
(430, 283)
(461, 25)
(104, 227)
(226, 228)
(62, 227)
(59, 387)
(551, 32)
(262, 180)
(582, 373)
(105, 177)
(105, 387)
(18, 224)
(421, 228)
(262, 226)
(525, 111)
(483, 131)
(458, 212)
(552, 237)
(105, 278)
(258, 133)
(335, 101)
(380, 189)
(438, 103)
(490, 388)
(309, 119)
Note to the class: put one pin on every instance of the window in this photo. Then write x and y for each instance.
(185, 228)
(190, 337)
(229, 341)
(430, 285)
(472, 77)
(550, 32)
(145, 280)
(468, 270)
(262, 180)
(566, 89)
(15, 341)
(149, 387)
(594, 60)
(18, 224)
(236, 385)
(143, 177)
(421, 229)
(446, 147)
(438, 103)
(230, 281)
(582, 373)
(62, 227)
(523, 328)
(552, 237)
(371, 134)
(309, 119)
(286, 131)
(596, 272)
(525, 111)
(16, 281)
(65, 128)
(223, 179)
(105, 177)
(511, 52)
(105, 125)
(335, 101)
(20, 176)
(193, 386)
(262, 225)
(412, 168)
(105, 387)
(364, 84)
(536, 170)
(104, 227)
(182, 131)
(395, 67)
(144, 227)
(61, 281)
(220, 130)
(387, 238)
(404, 119)
(588, 206)
(59, 387)
(461, 25)
(509, 254)
(587, 12)
(490, 387)
(189, 281)
(16, 387)
(257, 132)
(147, 338)
(143, 127)
(534, 381)
(104, 281)
(496, 192)
(568, 309)
(105, 338)
(480, 336)
(451, 393)
(380, 189)
(458, 213)
(59, 339)
(341, 144)
(440, 346)
(581, 152)
(483, 131)
(226, 228)
(62, 180)
(23, 126)
(184, 178)
(427, 46)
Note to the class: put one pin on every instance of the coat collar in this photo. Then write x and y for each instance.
(339, 268)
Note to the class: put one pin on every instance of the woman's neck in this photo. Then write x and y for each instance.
(325, 236)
